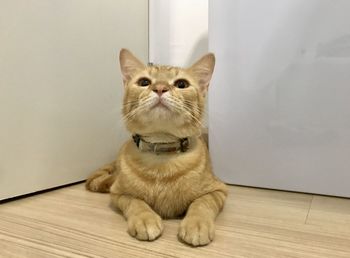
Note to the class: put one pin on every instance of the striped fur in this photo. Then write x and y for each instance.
(147, 187)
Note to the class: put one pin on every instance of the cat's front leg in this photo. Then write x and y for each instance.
(143, 222)
(197, 228)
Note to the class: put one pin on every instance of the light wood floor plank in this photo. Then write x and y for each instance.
(71, 222)
(330, 211)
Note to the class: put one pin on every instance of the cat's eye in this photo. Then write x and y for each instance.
(181, 83)
(143, 82)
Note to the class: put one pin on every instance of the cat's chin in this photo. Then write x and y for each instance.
(160, 114)
(161, 111)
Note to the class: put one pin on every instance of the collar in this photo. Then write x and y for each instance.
(161, 147)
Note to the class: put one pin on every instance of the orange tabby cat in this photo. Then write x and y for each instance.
(165, 171)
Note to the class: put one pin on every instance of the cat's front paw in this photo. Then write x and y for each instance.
(196, 231)
(145, 226)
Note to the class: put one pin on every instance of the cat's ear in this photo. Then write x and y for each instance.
(129, 64)
(203, 70)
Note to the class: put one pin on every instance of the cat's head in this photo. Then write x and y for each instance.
(164, 99)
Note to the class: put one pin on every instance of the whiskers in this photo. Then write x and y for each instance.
(182, 107)
(187, 107)
(141, 105)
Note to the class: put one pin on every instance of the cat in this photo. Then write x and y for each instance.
(165, 170)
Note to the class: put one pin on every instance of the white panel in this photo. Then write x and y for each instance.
(60, 87)
(178, 31)
(279, 104)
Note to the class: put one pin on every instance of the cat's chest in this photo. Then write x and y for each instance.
(167, 184)
(169, 197)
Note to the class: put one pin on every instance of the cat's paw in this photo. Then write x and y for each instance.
(145, 226)
(196, 231)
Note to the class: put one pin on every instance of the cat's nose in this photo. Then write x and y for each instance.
(160, 89)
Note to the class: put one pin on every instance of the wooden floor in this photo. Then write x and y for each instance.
(71, 222)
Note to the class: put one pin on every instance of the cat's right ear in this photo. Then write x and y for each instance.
(129, 64)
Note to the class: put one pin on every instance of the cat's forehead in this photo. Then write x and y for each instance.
(163, 72)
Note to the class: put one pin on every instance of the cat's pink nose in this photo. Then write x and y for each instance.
(160, 89)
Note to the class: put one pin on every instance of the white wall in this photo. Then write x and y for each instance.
(279, 103)
(178, 31)
(60, 87)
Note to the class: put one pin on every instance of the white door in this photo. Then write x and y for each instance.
(60, 87)
(279, 104)
(175, 39)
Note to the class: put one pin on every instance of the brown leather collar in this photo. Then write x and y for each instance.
(161, 147)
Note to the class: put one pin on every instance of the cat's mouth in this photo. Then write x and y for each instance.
(160, 104)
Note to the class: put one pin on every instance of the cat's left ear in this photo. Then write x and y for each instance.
(129, 64)
(203, 70)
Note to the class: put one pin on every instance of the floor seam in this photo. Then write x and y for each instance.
(308, 212)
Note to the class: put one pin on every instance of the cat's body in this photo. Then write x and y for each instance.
(168, 184)
(146, 185)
